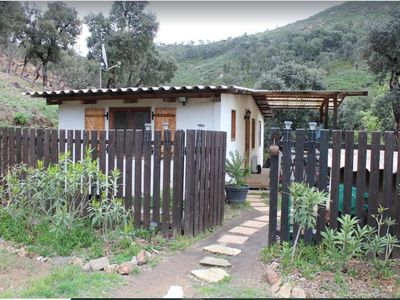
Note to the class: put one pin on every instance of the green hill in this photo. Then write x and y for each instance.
(330, 41)
(17, 109)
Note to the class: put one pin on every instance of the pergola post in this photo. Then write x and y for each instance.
(335, 105)
(321, 114)
(326, 113)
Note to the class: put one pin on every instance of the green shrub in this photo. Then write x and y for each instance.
(305, 202)
(236, 169)
(20, 119)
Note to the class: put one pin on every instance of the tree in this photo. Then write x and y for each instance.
(382, 53)
(128, 35)
(50, 33)
(12, 23)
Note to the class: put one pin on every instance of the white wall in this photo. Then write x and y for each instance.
(214, 115)
(241, 103)
(195, 112)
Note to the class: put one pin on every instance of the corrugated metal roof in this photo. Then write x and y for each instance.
(185, 88)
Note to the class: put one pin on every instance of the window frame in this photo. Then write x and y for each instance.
(233, 125)
(253, 133)
(112, 111)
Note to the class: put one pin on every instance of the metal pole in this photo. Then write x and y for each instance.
(100, 76)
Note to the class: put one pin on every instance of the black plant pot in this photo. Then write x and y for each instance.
(236, 194)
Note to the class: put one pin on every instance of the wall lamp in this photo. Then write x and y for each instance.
(247, 114)
(182, 100)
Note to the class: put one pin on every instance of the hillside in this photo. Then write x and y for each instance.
(328, 41)
(16, 106)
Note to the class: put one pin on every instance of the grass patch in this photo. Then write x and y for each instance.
(225, 289)
(235, 210)
(69, 282)
(9, 261)
(182, 242)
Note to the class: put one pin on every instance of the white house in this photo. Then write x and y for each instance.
(221, 108)
(238, 111)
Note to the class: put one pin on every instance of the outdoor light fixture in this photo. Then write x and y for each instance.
(247, 114)
(147, 126)
(313, 125)
(165, 125)
(182, 100)
(288, 124)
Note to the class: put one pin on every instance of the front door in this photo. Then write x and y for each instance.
(165, 115)
(247, 140)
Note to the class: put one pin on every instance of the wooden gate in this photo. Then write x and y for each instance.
(358, 177)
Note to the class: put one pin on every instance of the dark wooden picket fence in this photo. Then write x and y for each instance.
(176, 183)
(299, 156)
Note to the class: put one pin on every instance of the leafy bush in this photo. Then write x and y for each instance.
(354, 241)
(47, 207)
(305, 202)
(20, 119)
(236, 169)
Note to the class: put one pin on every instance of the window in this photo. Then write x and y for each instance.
(259, 133)
(233, 125)
(253, 133)
(129, 118)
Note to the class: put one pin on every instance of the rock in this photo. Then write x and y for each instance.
(273, 266)
(212, 261)
(271, 276)
(99, 264)
(276, 286)
(22, 252)
(142, 258)
(86, 267)
(42, 259)
(218, 249)
(211, 275)
(298, 293)
(134, 261)
(30, 255)
(61, 260)
(77, 261)
(148, 254)
(175, 291)
(125, 268)
(285, 290)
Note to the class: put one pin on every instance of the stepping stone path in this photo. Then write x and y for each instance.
(211, 275)
(175, 291)
(212, 261)
(218, 249)
(238, 235)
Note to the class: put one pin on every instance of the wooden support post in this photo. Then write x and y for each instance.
(321, 114)
(326, 112)
(335, 105)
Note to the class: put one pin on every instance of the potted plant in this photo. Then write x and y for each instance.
(236, 189)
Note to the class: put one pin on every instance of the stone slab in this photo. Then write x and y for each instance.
(262, 209)
(175, 291)
(258, 204)
(255, 224)
(263, 218)
(233, 239)
(243, 230)
(211, 275)
(213, 261)
(219, 249)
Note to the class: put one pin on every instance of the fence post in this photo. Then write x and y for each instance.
(310, 169)
(286, 165)
(147, 176)
(166, 182)
(273, 184)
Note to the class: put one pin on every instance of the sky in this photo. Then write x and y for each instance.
(185, 21)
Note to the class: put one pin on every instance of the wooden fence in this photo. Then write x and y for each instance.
(177, 184)
(346, 165)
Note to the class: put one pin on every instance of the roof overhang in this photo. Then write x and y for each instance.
(267, 101)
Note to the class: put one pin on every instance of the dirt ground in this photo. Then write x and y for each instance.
(246, 268)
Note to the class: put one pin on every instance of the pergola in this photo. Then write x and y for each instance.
(270, 101)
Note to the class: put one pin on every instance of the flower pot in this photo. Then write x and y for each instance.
(236, 194)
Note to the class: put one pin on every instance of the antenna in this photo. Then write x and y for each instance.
(104, 62)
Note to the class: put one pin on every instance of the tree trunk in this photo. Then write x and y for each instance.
(26, 59)
(44, 72)
(37, 73)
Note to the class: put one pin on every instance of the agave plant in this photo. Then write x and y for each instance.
(236, 169)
